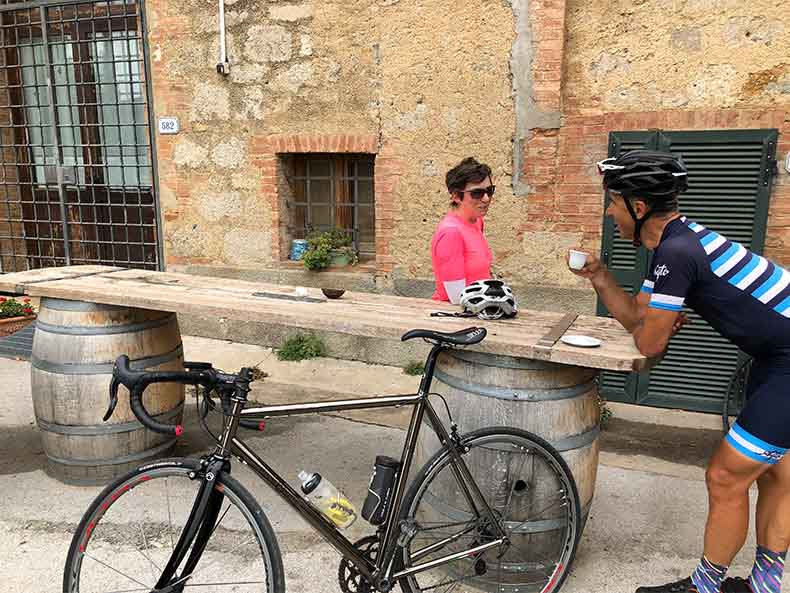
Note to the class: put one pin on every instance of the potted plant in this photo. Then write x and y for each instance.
(15, 315)
(329, 248)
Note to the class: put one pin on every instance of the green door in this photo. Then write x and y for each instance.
(730, 175)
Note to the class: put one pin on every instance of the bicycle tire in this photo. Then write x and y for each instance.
(488, 449)
(126, 535)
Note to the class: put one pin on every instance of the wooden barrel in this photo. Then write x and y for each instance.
(74, 348)
(554, 401)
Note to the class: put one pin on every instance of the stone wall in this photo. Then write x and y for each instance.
(420, 87)
(696, 65)
(533, 87)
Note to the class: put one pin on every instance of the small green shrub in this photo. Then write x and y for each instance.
(415, 367)
(302, 346)
(606, 413)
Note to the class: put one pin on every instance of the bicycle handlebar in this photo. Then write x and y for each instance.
(199, 373)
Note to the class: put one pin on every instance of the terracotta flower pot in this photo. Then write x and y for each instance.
(11, 325)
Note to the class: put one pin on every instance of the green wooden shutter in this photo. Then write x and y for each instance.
(730, 174)
(627, 264)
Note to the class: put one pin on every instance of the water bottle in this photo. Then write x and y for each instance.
(380, 489)
(328, 499)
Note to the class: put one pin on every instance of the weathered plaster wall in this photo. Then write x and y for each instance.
(446, 93)
(432, 84)
(295, 68)
(694, 65)
(533, 87)
(642, 56)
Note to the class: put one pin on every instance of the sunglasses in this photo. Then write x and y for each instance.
(478, 193)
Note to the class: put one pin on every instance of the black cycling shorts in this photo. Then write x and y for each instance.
(762, 431)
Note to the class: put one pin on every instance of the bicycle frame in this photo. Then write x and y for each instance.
(380, 572)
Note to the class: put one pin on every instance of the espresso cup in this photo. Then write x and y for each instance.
(576, 259)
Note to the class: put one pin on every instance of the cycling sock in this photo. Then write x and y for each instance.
(767, 572)
(708, 576)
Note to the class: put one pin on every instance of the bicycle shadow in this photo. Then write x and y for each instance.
(24, 451)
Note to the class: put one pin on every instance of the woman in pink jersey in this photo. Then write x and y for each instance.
(459, 251)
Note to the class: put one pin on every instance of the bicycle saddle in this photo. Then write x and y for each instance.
(464, 337)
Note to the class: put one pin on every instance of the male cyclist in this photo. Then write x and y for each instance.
(747, 299)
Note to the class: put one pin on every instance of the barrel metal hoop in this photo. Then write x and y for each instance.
(102, 330)
(78, 306)
(147, 454)
(577, 441)
(104, 429)
(500, 361)
(105, 367)
(508, 393)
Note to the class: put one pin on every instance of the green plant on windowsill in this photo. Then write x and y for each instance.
(328, 248)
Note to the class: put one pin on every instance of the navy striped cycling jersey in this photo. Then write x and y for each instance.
(745, 297)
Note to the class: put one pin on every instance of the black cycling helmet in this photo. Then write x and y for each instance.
(656, 177)
(645, 173)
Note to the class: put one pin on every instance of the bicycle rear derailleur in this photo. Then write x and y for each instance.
(351, 581)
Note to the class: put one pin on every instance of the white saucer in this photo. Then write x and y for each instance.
(581, 341)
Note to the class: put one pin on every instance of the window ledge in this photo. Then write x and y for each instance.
(365, 266)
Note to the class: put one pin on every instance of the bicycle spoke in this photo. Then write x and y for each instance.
(146, 589)
(126, 576)
(537, 515)
(212, 564)
(499, 565)
(223, 583)
(454, 587)
(512, 489)
(169, 515)
(146, 556)
(216, 525)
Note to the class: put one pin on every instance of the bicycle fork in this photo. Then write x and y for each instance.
(199, 528)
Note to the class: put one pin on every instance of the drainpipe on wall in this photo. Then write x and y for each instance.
(223, 67)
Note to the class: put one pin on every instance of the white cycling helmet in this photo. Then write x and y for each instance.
(489, 299)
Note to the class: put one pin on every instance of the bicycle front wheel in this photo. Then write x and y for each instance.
(127, 535)
(533, 496)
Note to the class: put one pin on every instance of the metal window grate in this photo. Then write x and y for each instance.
(333, 191)
(77, 177)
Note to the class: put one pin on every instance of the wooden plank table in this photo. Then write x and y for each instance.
(355, 313)
(521, 374)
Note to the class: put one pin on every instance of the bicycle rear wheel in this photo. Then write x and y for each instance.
(533, 495)
(127, 535)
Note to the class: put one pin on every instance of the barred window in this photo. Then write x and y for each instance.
(331, 191)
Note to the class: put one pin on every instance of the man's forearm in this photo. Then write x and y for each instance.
(618, 302)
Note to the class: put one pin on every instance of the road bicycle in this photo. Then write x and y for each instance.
(493, 510)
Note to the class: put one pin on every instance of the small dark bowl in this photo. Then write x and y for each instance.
(333, 293)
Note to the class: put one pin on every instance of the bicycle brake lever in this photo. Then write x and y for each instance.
(113, 399)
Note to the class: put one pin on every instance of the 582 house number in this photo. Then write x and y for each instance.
(168, 125)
